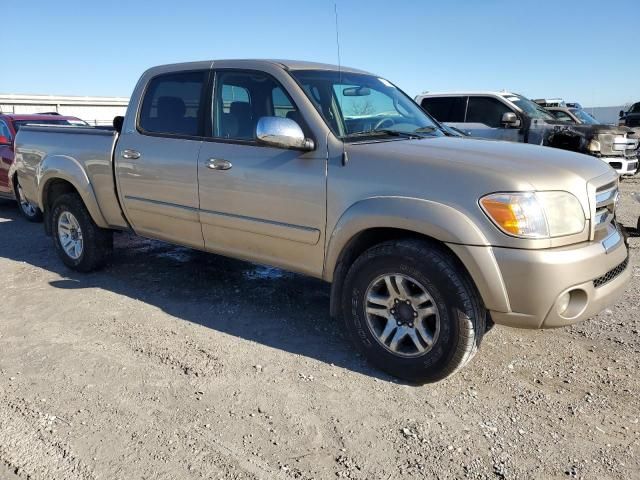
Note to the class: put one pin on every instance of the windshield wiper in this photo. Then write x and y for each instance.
(428, 129)
(384, 131)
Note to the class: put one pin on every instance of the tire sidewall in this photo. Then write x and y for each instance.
(59, 208)
(445, 296)
(36, 217)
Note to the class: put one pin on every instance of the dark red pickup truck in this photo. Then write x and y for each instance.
(9, 126)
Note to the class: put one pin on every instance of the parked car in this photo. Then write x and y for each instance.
(9, 126)
(512, 117)
(575, 114)
(630, 118)
(570, 112)
(636, 195)
(336, 173)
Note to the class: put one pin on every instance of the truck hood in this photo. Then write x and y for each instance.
(462, 170)
(516, 165)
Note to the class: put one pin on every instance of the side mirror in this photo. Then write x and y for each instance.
(282, 133)
(117, 123)
(621, 113)
(4, 140)
(510, 120)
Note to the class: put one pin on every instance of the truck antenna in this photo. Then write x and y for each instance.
(345, 158)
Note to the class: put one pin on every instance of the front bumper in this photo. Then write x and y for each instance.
(623, 165)
(595, 273)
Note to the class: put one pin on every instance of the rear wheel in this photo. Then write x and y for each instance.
(28, 210)
(412, 310)
(80, 243)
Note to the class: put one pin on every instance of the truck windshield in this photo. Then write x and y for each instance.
(584, 117)
(635, 108)
(532, 109)
(358, 105)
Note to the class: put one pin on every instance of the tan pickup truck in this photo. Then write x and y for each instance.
(427, 238)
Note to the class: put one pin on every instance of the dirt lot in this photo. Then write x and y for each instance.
(173, 364)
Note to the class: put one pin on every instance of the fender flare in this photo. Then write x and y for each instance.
(436, 220)
(431, 219)
(63, 167)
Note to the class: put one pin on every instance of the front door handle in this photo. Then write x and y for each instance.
(218, 164)
(131, 154)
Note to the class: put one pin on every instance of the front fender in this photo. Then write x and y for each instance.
(63, 167)
(435, 220)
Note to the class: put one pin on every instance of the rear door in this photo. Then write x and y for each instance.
(6, 158)
(157, 161)
(260, 203)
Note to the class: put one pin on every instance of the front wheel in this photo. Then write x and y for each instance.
(28, 210)
(80, 243)
(412, 310)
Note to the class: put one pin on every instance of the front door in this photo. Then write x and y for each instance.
(157, 163)
(260, 203)
(484, 119)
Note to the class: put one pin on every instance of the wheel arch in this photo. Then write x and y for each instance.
(374, 221)
(61, 174)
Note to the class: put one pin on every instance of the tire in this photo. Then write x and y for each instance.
(455, 318)
(27, 209)
(68, 217)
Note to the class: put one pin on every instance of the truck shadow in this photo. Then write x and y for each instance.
(266, 305)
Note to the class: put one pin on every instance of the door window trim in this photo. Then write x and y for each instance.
(204, 94)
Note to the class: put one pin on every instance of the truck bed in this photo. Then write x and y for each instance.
(44, 152)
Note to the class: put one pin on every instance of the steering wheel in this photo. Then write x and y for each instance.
(390, 121)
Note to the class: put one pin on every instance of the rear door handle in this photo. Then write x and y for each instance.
(218, 164)
(131, 154)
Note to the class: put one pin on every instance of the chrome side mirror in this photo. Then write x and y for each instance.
(510, 120)
(282, 133)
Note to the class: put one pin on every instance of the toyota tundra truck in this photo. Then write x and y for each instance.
(427, 238)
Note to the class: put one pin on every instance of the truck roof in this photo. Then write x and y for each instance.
(256, 64)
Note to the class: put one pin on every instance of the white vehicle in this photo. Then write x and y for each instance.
(513, 117)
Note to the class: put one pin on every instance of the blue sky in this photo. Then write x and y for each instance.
(584, 51)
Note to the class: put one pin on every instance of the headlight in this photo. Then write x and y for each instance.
(594, 146)
(535, 214)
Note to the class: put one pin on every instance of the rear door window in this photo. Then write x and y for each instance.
(487, 110)
(172, 104)
(446, 109)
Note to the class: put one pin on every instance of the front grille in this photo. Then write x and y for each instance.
(617, 145)
(606, 197)
(611, 274)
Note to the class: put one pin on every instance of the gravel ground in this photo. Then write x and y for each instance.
(173, 364)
